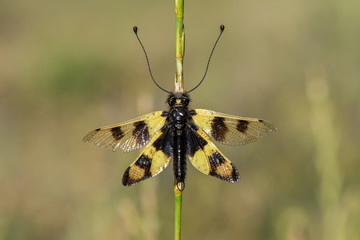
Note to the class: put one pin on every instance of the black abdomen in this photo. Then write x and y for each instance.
(179, 154)
(178, 119)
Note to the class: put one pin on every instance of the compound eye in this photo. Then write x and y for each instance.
(171, 101)
(185, 101)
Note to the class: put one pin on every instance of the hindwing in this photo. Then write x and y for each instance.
(154, 158)
(129, 135)
(229, 129)
(206, 157)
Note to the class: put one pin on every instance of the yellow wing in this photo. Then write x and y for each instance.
(154, 158)
(231, 130)
(207, 158)
(129, 135)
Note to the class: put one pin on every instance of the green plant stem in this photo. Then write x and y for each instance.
(179, 45)
(179, 87)
(178, 203)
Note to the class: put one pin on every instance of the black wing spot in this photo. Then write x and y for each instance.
(141, 132)
(216, 160)
(235, 174)
(165, 142)
(125, 179)
(192, 113)
(194, 141)
(158, 142)
(242, 126)
(117, 133)
(144, 162)
(219, 129)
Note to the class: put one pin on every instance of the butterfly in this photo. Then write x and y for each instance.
(180, 134)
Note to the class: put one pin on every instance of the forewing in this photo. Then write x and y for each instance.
(231, 130)
(207, 158)
(129, 135)
(153, 159)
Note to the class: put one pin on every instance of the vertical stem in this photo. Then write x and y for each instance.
(179, 87)
(178, 201)
(179, 45)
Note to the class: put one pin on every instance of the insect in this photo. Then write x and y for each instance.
(180, 134)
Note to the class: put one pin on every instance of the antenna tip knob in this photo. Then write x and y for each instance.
(135, 29)
(222, 27)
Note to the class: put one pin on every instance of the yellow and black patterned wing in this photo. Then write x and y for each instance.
(231, 130)
(153, 159)
(206, 157)
(129, 135)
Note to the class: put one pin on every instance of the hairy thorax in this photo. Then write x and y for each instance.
(178, 117)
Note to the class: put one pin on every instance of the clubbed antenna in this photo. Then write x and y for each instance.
(135, 29)
(222, 28)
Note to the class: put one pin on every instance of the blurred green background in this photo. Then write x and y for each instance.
(67, 67)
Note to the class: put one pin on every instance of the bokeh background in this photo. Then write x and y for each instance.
(67, 67)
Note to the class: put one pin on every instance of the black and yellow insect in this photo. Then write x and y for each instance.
(180, 134)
